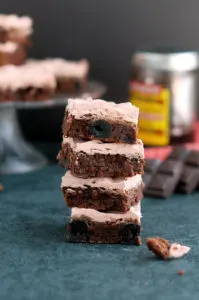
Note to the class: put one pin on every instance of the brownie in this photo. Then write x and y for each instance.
(159, 246)
(71, 76)
(12, 54)
(104, 194)
(97, 159)
(90, 119)
(25, 84)
(15, 28)
(91, 226)
(164, 250)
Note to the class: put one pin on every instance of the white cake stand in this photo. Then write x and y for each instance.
(18, 156)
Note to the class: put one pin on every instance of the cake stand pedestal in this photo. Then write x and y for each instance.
(18, 156)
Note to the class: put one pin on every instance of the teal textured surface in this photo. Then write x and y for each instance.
(35, 263)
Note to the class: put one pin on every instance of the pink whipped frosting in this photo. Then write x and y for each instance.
(134, 214)
(21, 25)
(8, 47)
(62, 68)
(17, 77)
(68, 180)
(101, 109)
(96, 146)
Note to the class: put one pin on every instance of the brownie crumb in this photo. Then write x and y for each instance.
(181, 272)
(164, 250)
(160, 247)
(1, 187)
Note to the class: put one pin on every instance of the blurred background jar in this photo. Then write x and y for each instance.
(164, 86)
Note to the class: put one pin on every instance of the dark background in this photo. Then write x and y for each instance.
(105, 32)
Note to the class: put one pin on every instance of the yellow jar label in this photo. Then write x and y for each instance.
(154, 119)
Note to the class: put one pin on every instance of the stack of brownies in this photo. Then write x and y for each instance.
(105, 160)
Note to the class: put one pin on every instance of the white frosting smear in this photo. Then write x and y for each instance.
(134, 214)
(68, 180)
(176, 250)
(92, 147)
(103, 109)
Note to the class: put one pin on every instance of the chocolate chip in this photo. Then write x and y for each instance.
(128, 139)
(130, 232)
(78, 227)
(100, 129)
(77, 85)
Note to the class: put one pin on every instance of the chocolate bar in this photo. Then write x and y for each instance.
(151, 166)
(164, 182)
(178, 153)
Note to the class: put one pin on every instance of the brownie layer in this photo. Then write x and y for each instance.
(96, 159)
(90, 232)
(15, 57)
(26, 94)
(104, 194)
(71, 84)
(97, 119)
(91, 226)
(13, 36)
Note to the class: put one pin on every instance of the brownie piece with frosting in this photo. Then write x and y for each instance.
(90, 119)
(16, 29)
(25, 84)
(104, 194)
(92, 226)
(97, 159)
(71, 76)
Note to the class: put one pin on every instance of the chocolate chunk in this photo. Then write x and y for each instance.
(78, 228)
(189, 180)
(170, 167)
(178, 153)
(160, 182)
(164, 181)
(130, 232)
(77, 85)
(147, 178)
(100, 129)
(193, 158)
(128, 139)
(151, 165)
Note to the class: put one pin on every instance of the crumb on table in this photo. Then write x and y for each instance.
(164, 250)
(181, 272)
(159, 246)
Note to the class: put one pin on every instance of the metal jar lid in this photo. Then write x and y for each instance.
(165, 60)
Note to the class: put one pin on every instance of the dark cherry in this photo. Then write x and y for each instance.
(130, 232)
(78, 227)
(100, 129)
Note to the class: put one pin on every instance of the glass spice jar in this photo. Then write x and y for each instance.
(163, 85)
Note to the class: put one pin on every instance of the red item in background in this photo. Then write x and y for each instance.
(162, 152)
